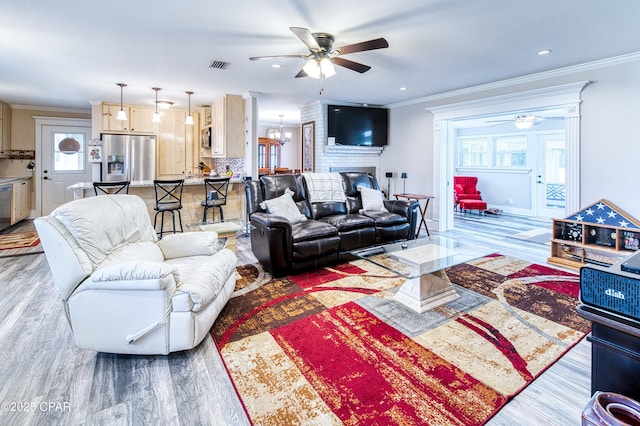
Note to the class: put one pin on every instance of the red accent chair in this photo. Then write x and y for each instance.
(464, 188)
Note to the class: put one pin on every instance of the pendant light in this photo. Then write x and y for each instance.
(122, 115)
(189, 119)
(156, 116)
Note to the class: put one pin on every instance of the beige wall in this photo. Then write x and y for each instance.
(23, 129)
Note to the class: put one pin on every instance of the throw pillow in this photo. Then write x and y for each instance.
(372, 199)
(284, 206)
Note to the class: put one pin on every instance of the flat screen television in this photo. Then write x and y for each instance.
(360, 126)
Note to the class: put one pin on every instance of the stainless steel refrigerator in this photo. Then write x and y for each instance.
(128, 157)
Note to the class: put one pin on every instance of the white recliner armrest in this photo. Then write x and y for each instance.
(189, 244)
(133, 276)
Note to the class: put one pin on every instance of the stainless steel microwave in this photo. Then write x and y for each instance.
(205, 137)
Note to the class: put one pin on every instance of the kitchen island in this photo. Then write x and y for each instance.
(192, 194)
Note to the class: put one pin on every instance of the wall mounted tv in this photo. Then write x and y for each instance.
(361, 126)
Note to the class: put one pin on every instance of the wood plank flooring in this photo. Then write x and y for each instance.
(40, 364)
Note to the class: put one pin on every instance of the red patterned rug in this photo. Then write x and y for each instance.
(19, 243)
(333, 347)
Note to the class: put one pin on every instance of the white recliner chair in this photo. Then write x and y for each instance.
(127, 292)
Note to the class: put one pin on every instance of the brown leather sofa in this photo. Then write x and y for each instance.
(333, 229)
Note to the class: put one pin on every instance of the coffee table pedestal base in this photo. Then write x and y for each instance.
(427, 292)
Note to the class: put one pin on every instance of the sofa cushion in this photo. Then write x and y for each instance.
(386, 218)
(201, 279)
(348, 221)
(134, 252)
(312, 230)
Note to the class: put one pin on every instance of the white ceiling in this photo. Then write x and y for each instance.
(67, 53)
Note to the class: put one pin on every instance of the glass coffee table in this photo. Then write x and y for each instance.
(229, 229)
(422, 262)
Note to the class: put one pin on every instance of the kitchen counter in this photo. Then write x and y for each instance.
(4, 180)
(192, 194)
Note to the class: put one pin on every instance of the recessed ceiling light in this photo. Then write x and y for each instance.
(544, 52)
(403, 88)
(275, 66)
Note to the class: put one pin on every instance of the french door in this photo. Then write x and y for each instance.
(550, 178)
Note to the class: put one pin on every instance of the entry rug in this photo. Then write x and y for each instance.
(332, 347)
(19, 243)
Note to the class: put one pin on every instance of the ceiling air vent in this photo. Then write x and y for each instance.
(219, 65)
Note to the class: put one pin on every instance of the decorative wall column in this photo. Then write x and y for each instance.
(572, 138)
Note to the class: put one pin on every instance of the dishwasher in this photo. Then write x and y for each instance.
(5, 205)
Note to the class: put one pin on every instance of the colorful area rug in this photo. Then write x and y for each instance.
(333, 347)
(18, 243)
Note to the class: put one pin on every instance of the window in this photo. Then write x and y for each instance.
(493, 151)
(473, 152)
(68, 161)
(510, 152)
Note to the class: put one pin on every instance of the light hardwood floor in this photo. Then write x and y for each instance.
(39, 363)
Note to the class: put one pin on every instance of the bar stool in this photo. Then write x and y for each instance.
(111, 187)
(168, 199)
(215, 191)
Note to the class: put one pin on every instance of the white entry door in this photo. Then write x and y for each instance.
(63, 150)
(550, 179)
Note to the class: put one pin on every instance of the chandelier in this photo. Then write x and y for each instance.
(279, 135)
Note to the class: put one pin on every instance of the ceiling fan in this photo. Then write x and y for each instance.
(523, 121)
(322, 55)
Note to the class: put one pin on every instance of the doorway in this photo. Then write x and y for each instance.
(61, 145)
(551, 176)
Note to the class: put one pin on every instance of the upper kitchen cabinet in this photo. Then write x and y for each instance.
(178, 147)
(227, 139)
(139, 119)
(5, 129)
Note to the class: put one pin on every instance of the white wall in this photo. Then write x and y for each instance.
(610, 143)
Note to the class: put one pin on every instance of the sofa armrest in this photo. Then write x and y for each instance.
(271, 242)
(408, 209)
(189, 244)
(133, 276)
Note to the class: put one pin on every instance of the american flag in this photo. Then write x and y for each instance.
(602, 213)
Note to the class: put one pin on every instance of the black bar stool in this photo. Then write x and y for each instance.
(215, 190)
(111, 187)
(168, 199)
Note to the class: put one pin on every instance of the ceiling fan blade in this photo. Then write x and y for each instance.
(257, 58)
(355, 66)
(301, 73)
(378, 43)
(306, 37)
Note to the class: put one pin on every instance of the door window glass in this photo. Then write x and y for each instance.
(65, 159)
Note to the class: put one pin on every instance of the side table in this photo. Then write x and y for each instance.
(423, 210)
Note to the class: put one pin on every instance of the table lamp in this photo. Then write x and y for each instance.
(404, 182)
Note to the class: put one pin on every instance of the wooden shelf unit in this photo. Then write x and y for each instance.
(600, 233)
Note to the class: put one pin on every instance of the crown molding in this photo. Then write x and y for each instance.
(616, 60)
(51, 109)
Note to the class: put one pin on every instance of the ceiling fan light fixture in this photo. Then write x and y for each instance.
(524, 122)
(327, 68)
(312, 68)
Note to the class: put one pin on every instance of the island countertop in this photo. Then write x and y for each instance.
(148, 183)
(193, 194)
